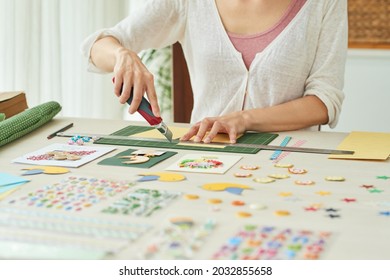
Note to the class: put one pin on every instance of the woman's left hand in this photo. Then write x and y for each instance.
(232, 124)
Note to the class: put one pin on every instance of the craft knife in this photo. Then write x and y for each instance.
(145, 111)
(242, 145)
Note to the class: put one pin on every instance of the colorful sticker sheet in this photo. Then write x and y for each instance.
(73, 193)
(254, 242)
(181, 239)
(142, 202)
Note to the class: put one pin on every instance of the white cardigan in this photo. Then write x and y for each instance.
(307, 58)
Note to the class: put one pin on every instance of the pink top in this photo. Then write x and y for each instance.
(250, 45)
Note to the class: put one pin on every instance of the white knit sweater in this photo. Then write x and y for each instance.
(307, 58)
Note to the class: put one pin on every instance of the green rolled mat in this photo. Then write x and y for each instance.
(27, 121)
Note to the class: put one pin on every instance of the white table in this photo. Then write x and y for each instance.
(360, 233)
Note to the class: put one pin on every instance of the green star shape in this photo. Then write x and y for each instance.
(383, 177)
(375, 191)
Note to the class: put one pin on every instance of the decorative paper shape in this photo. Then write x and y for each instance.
(218, 187)
(237, 191)
(7, 180)
(33, 172)
(47, 170)
(166, 177)
(148, 178)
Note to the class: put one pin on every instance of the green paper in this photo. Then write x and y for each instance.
(247, 138)
(116, 161)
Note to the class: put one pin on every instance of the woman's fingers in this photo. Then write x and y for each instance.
(132, 78)
(191, 132)
(204, 127)
(152, 95)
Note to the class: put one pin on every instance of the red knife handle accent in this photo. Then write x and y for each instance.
(144, 109)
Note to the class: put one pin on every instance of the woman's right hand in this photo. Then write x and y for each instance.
(131, 74)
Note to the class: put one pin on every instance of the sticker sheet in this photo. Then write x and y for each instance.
(142, 202)
(65, 233)
(181, 239)
(73, 193)
(254, 242)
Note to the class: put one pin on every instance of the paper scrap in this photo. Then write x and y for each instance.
(8, 182)
(367, 146)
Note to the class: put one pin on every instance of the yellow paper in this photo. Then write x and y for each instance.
(202, 145)
(216, 187)
(178, 132)
(166, 177)
(367, 146)
(49, 169)
(7, 193)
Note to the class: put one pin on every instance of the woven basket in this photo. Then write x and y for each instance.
(369, 22)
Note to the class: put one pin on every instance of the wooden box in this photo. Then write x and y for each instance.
(12, 103)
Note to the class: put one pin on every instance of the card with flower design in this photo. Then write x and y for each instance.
(210, 163)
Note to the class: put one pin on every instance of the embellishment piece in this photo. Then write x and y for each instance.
(78, 140)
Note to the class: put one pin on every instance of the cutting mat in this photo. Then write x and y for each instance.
(247, 138)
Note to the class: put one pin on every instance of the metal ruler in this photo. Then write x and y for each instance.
(176, 141)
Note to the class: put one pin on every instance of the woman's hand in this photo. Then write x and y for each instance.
(232, 124)
(131, 74)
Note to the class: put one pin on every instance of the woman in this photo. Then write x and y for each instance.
(255, 65)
